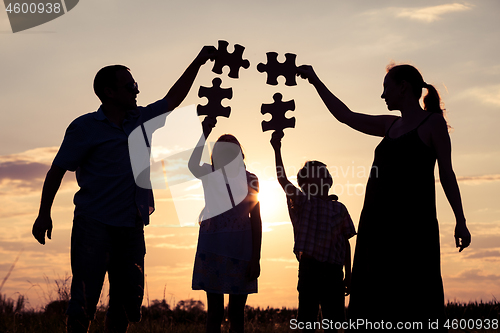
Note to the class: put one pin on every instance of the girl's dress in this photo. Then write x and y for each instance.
(396, 272)
(225, 243)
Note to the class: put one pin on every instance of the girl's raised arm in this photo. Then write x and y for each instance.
(194, 161)
(368, 124)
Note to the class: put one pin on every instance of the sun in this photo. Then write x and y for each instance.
(272, 201)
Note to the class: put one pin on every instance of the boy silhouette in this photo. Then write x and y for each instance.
(322, 228)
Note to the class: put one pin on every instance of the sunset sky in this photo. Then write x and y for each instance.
(46, 76)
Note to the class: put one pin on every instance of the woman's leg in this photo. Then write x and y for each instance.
(215, 312)
(236, 313)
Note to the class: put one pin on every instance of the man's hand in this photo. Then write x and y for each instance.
(42, 224)
(207, 52)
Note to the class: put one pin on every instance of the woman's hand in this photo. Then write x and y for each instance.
(462, 236)
(307, 72)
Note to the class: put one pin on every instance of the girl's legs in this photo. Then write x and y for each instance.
(215, 312)
(236, 313)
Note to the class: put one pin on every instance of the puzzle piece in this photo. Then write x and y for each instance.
(215, 95)
(288, 69)
(233, 60)
(277, 110)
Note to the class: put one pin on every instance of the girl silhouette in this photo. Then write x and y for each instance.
(229, 242)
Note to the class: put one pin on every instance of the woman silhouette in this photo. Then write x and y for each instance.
(396, 274)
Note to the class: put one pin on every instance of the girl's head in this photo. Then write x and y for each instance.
(225, 150)
(314, 179)
(398, 74)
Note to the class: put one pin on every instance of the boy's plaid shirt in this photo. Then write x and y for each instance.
(321, 227)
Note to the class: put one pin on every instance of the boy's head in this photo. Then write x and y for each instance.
(314, 178)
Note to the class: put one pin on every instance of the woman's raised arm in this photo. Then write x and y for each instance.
(368, 124)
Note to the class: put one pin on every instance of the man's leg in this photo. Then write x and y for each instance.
(89, 259)
(236, 313)
(215, 312)
(126, 278)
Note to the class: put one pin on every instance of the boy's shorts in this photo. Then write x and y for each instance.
(97, 248)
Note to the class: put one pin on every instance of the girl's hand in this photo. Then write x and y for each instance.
(208, 124)
(462, 236)
(307, 72)
(253, 271)
(276, 139)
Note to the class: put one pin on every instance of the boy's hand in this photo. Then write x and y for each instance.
(307, 72)
(276, 139)
(208, 124)
(207, 52)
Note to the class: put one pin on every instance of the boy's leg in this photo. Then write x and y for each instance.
(89, 260)
(215, 312)
(236, 313)
(126, 277)
(308, 295)
(332, 298)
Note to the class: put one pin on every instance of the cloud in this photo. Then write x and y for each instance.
(477, 180)
(25, 171)
(476, 275)
(174, 246)
(489, 95)
(282, 260)
(431, 14)
(484, 254)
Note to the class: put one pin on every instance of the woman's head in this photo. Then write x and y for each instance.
(225, 150)
(314, 178)
(409, 74)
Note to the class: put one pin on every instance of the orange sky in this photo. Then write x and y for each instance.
(46, 82)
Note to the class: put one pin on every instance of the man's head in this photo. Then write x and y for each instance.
(114, 84)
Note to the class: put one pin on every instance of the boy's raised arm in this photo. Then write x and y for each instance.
(287, 186)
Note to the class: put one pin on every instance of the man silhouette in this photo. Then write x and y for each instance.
(110, 209)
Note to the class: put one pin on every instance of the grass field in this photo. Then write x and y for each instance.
(190, 315)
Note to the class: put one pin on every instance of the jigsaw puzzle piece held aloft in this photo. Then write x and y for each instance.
(215, 95)
(233, 60)
(277, 110)
(288, 69)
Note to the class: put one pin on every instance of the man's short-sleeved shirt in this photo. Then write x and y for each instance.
(98, 151)
(321, 227)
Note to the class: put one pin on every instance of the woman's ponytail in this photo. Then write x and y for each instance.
(432, 101)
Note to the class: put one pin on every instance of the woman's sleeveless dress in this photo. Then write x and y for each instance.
(396, 273)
